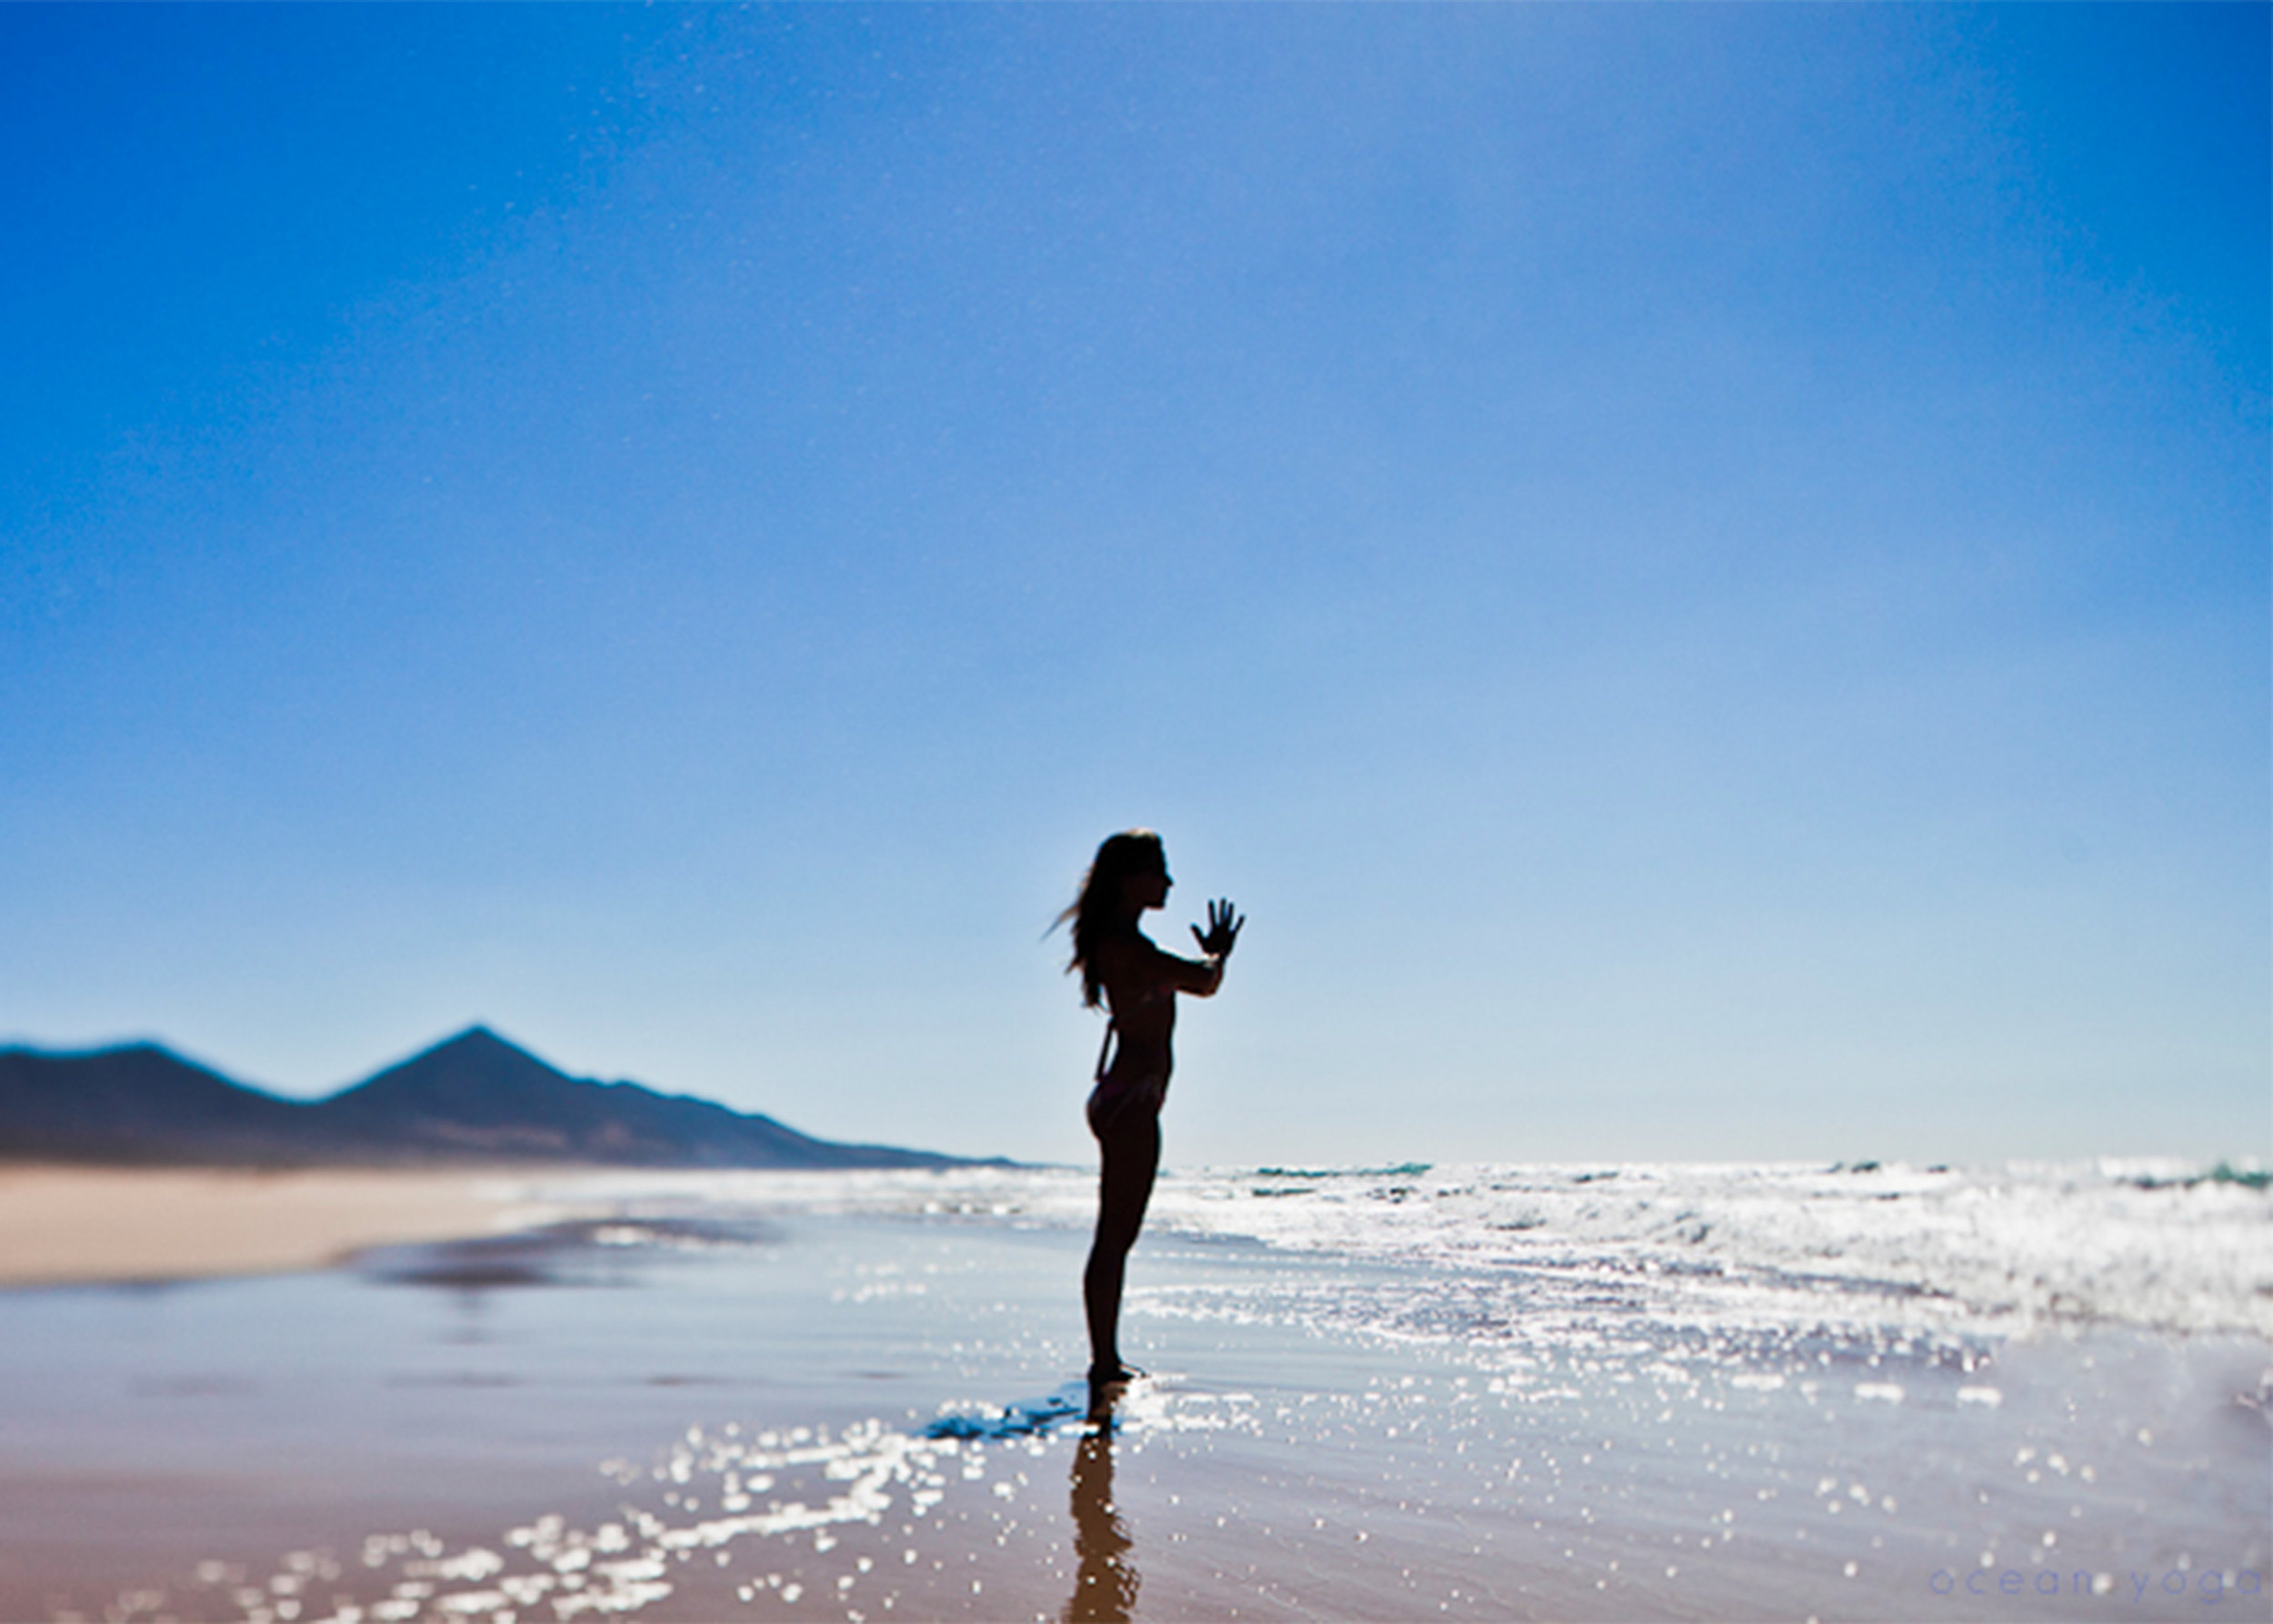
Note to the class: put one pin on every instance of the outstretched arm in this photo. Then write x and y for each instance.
(1132, 968)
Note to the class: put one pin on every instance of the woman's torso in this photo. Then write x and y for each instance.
(1142, 1001)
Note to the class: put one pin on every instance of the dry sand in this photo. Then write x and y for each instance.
(67, 1224)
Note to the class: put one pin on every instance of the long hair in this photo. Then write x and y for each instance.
(1098, 910)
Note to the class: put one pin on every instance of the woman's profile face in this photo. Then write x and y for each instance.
(1147, 889)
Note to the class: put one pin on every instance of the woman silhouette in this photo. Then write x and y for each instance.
(1137, 983)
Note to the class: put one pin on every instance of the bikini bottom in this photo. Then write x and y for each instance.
(1115, 1102)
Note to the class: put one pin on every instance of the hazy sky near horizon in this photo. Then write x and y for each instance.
(1701, 572)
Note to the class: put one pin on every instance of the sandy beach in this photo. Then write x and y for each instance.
(771, 1400)
(68, 1225)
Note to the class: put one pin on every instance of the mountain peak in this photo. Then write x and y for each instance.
(477, 1051)
(475, 1064)
(475, 1037)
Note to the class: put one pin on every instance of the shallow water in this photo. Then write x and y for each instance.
(728, 1402)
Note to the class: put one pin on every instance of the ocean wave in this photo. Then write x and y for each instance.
(1509, 1252)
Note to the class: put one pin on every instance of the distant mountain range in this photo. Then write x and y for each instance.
(474, 1098)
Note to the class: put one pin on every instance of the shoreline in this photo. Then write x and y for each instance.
(76, 1225)
(700, 1413)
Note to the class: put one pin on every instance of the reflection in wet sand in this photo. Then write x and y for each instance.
(578, 1252)
(1105, 1590)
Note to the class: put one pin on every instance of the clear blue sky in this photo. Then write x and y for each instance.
(1700, 571)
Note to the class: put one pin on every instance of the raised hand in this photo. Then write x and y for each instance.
(1224, 923)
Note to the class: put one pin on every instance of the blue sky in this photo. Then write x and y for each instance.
(1700, 572)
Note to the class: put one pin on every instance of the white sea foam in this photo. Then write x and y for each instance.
(1780, 1250)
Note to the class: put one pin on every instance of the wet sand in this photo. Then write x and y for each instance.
(64, 1225)
(683, 1417)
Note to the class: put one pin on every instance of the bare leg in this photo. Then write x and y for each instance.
(1131, 1155)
